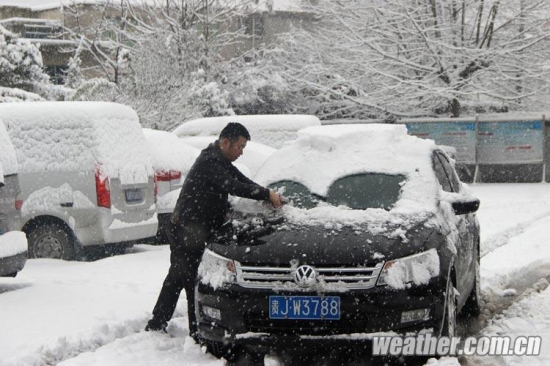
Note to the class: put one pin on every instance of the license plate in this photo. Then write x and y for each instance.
(304, 307)
(133, 195)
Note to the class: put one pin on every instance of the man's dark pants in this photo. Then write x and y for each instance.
(187, 245)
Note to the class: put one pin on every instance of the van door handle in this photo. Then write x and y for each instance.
(66, 204)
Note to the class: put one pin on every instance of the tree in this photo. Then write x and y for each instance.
(165, 60)
(21, 75)
(383, 58)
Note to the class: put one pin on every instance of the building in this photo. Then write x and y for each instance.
(58, 24)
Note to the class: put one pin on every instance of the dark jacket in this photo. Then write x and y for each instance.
(204, 196)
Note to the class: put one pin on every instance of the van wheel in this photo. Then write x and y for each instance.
(448, 328)
(51, 240)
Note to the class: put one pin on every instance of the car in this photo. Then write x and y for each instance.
(86, 176)
(172, 159)
(13, 243)
(269, 129)
(380, 235)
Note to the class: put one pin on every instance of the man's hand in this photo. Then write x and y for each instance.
(275, 199)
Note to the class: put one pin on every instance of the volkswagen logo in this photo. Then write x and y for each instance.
(305, 276)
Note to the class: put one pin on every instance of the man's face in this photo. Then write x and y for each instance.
(232, 150)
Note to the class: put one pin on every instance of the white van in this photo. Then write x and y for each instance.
(86, 175)
(269, 129)
(13, 244)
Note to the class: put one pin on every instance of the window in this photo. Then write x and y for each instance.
(445, 173)
(41, 31)
(57, 74)
(358, 192)
(254, 25)
(297, 193)
(363, 191)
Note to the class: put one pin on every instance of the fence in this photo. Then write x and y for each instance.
(490, 148)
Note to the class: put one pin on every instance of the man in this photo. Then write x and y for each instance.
(201, 209)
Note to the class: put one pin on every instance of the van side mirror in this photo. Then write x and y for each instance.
(2, 184)
(465, 205)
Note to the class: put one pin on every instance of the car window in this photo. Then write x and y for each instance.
(445, 173)
(298, 194)
(451, 174)
(441, 174)
(363, 191)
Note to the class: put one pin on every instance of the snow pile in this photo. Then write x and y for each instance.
(50, 199)
(8, 160)
(272, 130)
(12, 243)
(254, 154)
(72, 136)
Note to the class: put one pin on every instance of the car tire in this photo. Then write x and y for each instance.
(51, 240)
(472, 307)
(448, 327)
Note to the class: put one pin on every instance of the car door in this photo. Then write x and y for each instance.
(465, 223)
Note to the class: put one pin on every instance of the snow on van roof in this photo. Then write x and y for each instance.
(68, 136)
(8, 160)
(323, 154)
(270, 129)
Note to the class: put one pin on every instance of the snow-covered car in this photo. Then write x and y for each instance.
(252, 158)
(172, 159)
(380, 235)
(86, 175)
(13, 243)
(269, 129)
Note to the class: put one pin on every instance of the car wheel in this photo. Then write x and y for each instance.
(472, 307)
(51, 240)
(448, 327)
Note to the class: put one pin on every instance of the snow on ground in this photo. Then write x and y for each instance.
(93, 313)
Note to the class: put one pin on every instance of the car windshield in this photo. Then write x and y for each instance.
(358, 192)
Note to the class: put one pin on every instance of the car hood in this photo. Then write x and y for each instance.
(316, 245)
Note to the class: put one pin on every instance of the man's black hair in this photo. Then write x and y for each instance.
(233, 131)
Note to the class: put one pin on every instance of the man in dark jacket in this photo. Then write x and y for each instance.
(201, 209)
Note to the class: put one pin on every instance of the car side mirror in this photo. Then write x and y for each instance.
(465, 205)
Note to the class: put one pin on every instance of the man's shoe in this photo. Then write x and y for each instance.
(156, 326)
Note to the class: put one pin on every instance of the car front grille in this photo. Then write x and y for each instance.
(329, 278)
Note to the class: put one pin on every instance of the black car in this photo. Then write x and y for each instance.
(380, 236)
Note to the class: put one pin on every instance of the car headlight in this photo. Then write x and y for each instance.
(416, 269)
(215, 270)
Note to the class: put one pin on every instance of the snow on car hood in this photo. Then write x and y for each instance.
(85, 133)
(323, 154)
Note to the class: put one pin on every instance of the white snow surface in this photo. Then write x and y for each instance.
(8, 159)
(71, 136)
(269, 129)
(12, 243)
(169, 152)
(93, 313)
(50, 199)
